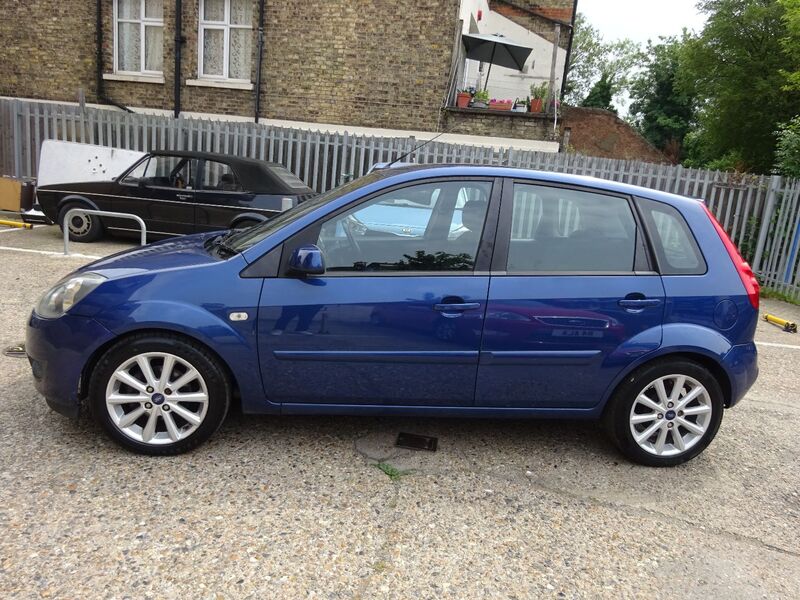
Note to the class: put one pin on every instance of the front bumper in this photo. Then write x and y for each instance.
(58, 351)
(741, 363)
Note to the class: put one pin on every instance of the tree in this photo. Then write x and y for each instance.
(661, 111)
(600, 95)
(734, 68)
(791, 42)
(787, 155)
(592, 58)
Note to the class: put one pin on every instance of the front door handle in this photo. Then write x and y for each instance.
(639, 302)
(456, 307)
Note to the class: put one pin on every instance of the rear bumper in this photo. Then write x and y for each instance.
(741, 363)
(58, 350)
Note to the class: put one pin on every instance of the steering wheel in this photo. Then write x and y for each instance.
(346, 225)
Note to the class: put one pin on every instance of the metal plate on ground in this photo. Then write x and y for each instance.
(416, 442)
(17, 351)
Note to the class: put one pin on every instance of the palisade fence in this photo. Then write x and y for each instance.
(760, 212)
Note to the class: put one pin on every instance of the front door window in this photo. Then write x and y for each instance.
(429, 227)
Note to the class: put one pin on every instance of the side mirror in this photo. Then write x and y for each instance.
(307, 260)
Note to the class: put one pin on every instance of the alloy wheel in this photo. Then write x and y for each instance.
(156, 398)
(80, 225)
(670, 415)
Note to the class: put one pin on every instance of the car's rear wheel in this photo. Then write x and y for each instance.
(159, 394)
(665, 413)
(82, 227)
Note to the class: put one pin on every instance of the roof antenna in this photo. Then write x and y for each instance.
(414, 149)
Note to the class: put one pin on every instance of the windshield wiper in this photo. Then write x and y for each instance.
(220, 244)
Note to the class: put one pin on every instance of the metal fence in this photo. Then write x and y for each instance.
(760, 212)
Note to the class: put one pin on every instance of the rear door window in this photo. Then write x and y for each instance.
(563, 230)
(675, 247)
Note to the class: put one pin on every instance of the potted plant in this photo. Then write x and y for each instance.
(501, 104)
(480, 99)
(463, 98)
(538, 94)
(520, 105)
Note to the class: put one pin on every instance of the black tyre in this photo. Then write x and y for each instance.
(665, 413)
(159, 394)
(82, 228)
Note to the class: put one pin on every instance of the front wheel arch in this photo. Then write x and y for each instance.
(88, 369)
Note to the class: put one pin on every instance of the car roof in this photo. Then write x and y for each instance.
(408, 173)
(257, 176)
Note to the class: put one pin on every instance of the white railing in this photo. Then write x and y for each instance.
(101, 213)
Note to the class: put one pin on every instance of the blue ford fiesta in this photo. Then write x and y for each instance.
(508, 293)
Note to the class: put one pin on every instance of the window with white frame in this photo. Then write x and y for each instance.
(139, 36)
(226, 39)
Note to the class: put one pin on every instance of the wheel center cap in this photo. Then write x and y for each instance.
(157, 398)
(670, 414)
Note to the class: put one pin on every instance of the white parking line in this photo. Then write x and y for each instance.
(48, 253)
(774, 345)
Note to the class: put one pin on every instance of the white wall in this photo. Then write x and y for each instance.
(510, 83)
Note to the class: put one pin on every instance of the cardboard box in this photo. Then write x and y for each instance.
(10, 194)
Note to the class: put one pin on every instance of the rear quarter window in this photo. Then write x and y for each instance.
(673, 242)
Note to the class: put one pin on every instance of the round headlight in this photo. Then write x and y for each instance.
(66, 294)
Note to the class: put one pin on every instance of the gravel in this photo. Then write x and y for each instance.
(294, 507)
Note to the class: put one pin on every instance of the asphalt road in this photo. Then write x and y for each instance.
(295, 507)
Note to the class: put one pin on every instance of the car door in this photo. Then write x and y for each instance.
(220, 196)
(572, 301)
(160, 190)
(397, 316)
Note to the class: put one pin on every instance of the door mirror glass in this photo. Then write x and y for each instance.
(307, 260)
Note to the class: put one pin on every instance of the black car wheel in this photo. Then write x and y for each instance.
(159, 394)
(665, 413)
(82, 227)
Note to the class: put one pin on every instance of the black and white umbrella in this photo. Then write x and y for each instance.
(495, 50)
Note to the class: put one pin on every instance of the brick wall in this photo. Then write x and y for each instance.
(497, 124)
(379, 63)
(537, 18)
(47, 49)
(598, 132)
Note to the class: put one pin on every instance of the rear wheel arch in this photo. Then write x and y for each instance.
(705, 361)
(91, 364)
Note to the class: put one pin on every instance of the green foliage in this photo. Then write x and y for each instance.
(600, 95)
(734, 70)
(481, 96)
(661, 111)
(787, 153)
(791, 42)
(539, 91)
(592, 58)
(392, 472)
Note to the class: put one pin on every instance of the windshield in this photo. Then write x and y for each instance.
(247, 238)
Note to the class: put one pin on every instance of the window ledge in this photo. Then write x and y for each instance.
(221, 83)
(133, 78)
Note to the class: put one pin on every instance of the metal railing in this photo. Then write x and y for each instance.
(100, 213)
(761, 213)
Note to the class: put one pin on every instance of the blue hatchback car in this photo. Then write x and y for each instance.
(511, 294)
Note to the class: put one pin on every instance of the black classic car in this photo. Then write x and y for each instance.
(177, 193)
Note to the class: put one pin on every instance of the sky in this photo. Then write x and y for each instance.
(641, 20)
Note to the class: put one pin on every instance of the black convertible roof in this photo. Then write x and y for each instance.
(257, 176)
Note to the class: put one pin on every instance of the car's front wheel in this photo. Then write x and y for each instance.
(159, 394)
(82, 227)
(665, 413)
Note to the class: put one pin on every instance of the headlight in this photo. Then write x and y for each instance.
(66, 294)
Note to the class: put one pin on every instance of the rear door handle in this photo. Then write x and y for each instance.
(456, 307)
(639, 302)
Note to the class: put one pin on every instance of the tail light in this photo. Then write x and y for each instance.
(745, 272)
